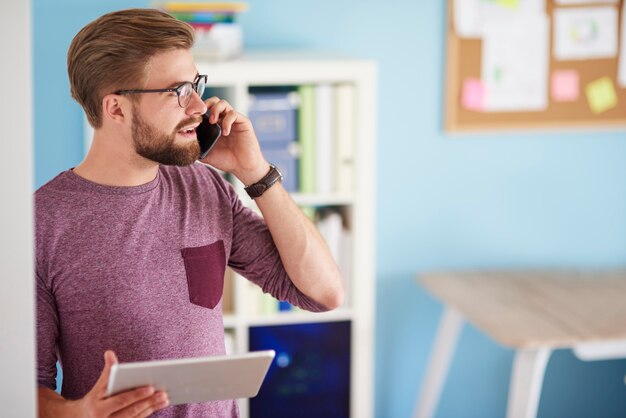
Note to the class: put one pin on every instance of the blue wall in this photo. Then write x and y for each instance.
(444, 202)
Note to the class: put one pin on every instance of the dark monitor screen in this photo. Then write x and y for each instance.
(310, 375)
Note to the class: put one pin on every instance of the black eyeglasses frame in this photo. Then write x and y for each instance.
(178, 89)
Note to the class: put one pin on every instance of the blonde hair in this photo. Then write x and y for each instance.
(112, 52)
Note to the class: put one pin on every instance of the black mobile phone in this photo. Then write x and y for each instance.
(208, 134)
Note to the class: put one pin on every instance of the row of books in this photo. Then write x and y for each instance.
(332, 225)
(309, 133)
(218, 34)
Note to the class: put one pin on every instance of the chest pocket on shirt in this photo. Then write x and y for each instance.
(205, 268)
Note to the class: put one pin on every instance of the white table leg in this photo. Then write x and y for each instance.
(440, 358)
(602, 350)
(526, 380)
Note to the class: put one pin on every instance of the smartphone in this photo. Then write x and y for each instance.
(208, 134)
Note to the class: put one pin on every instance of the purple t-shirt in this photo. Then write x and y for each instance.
(140, 270)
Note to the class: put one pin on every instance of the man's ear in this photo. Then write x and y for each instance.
(115, 108)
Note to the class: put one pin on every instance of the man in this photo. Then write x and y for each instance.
(131, 245)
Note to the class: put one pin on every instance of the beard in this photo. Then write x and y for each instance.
(160, 147)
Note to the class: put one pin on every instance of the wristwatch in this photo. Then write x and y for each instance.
(257, 189)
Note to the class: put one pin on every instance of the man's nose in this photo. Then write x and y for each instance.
(196, 106)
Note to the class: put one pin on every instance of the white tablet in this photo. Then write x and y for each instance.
(195, 379)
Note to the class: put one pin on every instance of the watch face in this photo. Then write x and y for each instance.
(280, 173)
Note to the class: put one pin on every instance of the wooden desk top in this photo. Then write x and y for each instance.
(528, 309)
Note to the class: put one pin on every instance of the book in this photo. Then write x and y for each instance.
(345, 138)
(330, 225)
(218, 35)
(325, 140)
(274, 117)
(204, 17)
(345, 264)
(176, 6)
(306, 139)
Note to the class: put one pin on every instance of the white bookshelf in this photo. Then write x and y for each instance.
(233, 80)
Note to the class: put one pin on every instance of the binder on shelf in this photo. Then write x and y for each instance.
(330, 225)
(345, 138)
(345, 265)
(325, 140)
(274, 117)
(306, 139)
(339, 240)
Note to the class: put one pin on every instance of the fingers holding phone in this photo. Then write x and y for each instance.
(238, 151)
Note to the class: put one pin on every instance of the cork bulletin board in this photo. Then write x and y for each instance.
(569, 111)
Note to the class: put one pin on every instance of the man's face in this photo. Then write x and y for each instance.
(162, 146)
(162, 131)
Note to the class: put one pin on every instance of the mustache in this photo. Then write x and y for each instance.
(189, 121)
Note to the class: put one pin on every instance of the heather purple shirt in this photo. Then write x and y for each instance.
(140, 270)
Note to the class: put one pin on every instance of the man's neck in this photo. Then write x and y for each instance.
(112, 163)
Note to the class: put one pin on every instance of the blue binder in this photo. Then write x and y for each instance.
(274, 115)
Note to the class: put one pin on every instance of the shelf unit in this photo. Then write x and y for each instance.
(232, 80)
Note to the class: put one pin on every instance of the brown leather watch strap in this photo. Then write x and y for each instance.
(257, 189)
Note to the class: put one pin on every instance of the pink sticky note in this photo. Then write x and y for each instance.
(473, 94)
(565, 85)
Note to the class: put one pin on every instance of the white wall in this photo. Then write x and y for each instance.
(17, 315)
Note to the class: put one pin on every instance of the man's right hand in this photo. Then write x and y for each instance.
(136, 403)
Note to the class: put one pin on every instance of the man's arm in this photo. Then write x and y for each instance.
(303, 252)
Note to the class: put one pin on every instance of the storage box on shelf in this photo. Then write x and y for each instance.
(315, 116)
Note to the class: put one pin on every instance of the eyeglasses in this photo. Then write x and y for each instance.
(183, 91)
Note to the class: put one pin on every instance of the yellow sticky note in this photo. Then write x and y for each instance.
(513, 4)
(601, 95)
